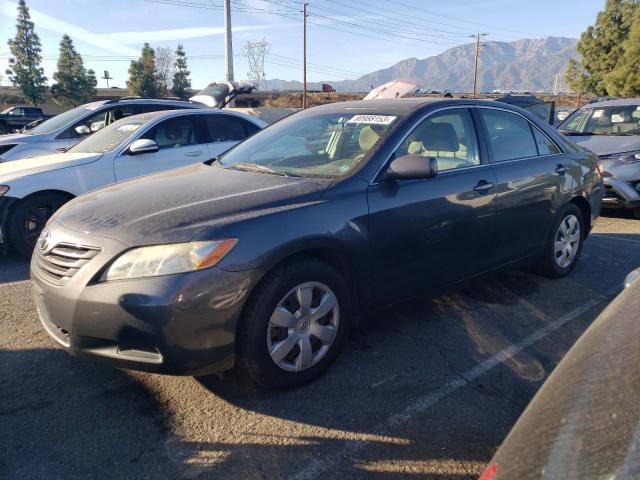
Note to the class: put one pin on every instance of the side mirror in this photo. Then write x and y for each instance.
(143, 145)
(82, 130)
(412, 167)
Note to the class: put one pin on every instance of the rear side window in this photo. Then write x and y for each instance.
(510, 136)
(545, 146)
(226, 128)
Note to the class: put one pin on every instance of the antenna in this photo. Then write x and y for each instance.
(255, 53)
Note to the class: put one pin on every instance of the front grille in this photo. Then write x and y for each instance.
(63, 261)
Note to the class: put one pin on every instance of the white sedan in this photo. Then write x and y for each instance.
(32, 189)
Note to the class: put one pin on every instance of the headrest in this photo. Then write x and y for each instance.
(367, 138)
(440, 137)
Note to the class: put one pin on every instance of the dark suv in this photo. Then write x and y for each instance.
(63, 131)
(270, 253)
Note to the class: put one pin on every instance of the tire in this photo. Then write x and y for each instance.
(29, 216)
(261, 343)
(556, 262)
(636, 213)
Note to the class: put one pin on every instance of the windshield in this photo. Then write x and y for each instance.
(6, 110)
(109, 137)
(327, 146)
(612, 120)
(62, 119)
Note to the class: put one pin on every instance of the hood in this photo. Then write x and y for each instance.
(45, 163)
(607, 144)
(17, 138)
(176, 205)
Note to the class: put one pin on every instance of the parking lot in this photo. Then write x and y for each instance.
(428, 389)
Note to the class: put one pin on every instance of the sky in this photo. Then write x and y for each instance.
(345, 38)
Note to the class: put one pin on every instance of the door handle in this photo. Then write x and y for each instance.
(193, 154)
(483, 186)
(561, 169)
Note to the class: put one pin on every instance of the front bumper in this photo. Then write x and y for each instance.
(180, 324)
(620, 194)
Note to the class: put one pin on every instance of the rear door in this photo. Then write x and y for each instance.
(427, 234)
(225, 131)
(533, 181)
(180, 143)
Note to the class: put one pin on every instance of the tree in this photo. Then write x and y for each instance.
(602, 47)
(624, 80)
(142, 75)
(76, 84)
(181, 80)
(24, 65)
(164, 68)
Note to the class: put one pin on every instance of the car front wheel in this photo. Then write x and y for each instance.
(28, 218)
(294, 325)
(564, 244)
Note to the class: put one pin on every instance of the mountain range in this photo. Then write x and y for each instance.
(521, 65)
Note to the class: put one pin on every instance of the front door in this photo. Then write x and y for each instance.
(427, 234)
(179, 143)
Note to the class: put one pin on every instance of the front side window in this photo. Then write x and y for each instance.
(510, 136)
(328, 145)
(173, 133)
(448, 136)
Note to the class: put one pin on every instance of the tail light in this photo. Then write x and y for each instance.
(489, 473)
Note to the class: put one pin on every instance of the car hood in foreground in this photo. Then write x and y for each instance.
(28, 166)
(585, 420)
(176, 205)
(608, 144)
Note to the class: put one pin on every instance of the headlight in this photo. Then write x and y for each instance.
(624, 157)
(167, 259)
(3, 189)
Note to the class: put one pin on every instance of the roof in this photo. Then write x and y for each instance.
(146, 117)
(620, 102)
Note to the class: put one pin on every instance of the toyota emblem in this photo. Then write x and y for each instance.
(45, 239)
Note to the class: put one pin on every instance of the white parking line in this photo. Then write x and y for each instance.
(425, 402)
(598, 235)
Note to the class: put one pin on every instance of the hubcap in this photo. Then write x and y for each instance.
(567, 241)
(303, 326)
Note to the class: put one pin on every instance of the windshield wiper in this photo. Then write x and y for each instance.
(578, 134)
(252, 167)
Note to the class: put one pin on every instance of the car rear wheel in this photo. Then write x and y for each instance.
(564, 244)
(294, 325)
(28, 218)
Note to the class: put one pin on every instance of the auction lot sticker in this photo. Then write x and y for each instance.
(372, 119)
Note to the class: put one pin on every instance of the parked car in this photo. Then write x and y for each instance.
(63, 131)
(270, 253)
(611, 129)
(15, 118)
(583, 422)
(131, 147)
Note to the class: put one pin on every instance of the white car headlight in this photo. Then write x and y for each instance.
(624, 157)
(167, 259)
(3, 189)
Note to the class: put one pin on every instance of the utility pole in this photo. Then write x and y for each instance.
(555, 85)
(304, 57)
(475, 63)
(228, 47)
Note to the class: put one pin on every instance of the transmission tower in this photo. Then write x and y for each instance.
(255, 53)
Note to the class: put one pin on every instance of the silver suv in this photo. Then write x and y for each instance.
(63, 131)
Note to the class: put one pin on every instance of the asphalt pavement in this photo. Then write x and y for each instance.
(428, 389)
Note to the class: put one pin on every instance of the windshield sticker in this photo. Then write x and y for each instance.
(598, 113)
(128, 128)
(617, 118)
(373, 119)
